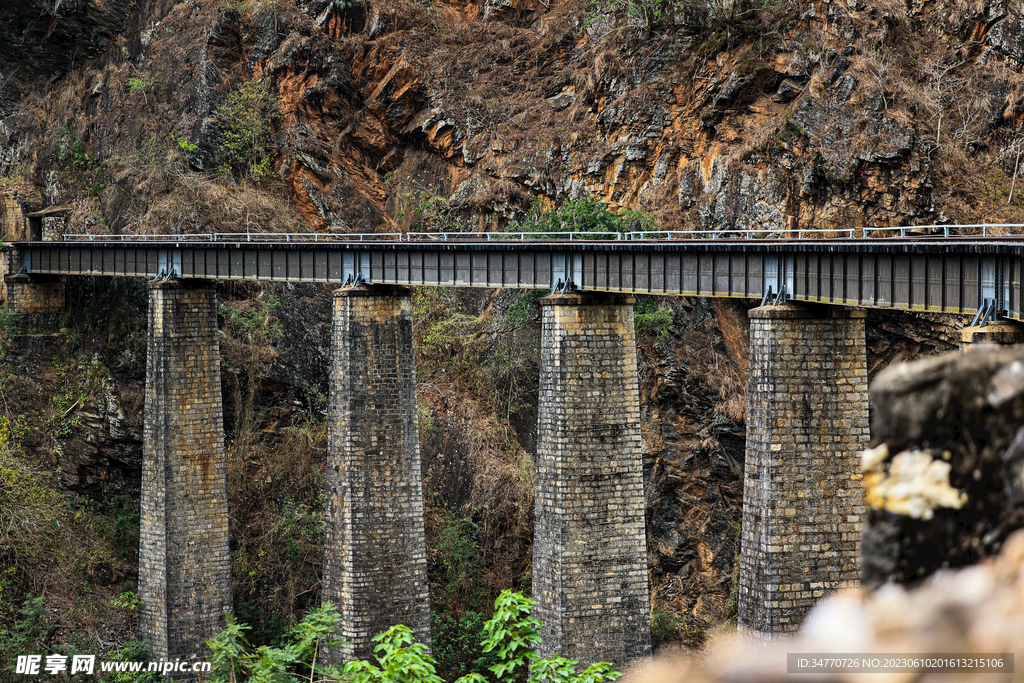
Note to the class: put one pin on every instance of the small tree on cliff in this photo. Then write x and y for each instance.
(246, 121)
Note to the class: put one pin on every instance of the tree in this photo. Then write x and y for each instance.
(246, 120)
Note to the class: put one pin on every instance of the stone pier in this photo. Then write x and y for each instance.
(807, 423)
(590, 546)
(375, 560)
(998, 332)
(184, 560)
(33, 293)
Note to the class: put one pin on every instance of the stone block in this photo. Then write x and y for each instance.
(801, 454)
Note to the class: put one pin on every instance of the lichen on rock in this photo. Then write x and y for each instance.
(913, 483)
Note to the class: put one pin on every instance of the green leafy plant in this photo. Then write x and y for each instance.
(72, 154)
(400, 660)
(140, 83)
(28, 629)
(189, 151)
(134, 651)
(299, 659)
(129, 600)
(457, 563)
(457, 642)
(513, 632)
(511, 635)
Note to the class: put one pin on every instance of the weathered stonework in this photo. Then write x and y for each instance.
(807, 422)
(589, 545)
(184, 559)
(12, 220)
(32, 294)
(1000, 332)
(375, 559)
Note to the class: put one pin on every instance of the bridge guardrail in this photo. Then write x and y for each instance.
(873, 232)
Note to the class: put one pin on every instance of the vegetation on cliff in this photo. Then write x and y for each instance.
(212, 115)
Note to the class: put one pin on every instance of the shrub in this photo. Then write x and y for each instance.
(582, 215)
(233, 659)
(458, 564)
(511, 636)
(650, 319)
(664, 629)
(458, 643)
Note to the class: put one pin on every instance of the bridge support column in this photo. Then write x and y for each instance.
(184, 560)
(998, 332)
(375, 560)
(33, 294)
(807, 422)
(590, 546)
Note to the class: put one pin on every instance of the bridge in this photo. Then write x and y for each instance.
(807, 417)
(955, 274)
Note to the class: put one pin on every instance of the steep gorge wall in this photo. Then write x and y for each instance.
(802, 115)
(805, 114)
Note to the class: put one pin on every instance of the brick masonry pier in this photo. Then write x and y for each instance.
(807, 422)
(184, 559)
(375, 560)
(590, 547)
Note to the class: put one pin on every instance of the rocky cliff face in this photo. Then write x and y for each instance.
(771, 115)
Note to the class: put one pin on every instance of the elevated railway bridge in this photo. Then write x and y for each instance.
(925, 268)
(807, 415)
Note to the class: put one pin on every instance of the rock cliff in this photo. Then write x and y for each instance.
(353, 115)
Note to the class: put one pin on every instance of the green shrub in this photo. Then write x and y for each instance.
(27, 630)
(664, 628)
(582, 215)
(139, 83)
(234, 659)
(458, 643)
(134, 651)
(650, 320)
(458, 565)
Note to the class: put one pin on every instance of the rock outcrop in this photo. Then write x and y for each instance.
(945, 480)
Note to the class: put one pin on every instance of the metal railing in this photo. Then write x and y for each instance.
(747, 233)
(755, 234)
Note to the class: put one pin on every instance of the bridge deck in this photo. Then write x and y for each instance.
(949, 275)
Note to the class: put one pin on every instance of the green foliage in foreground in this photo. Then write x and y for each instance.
(512, 634)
